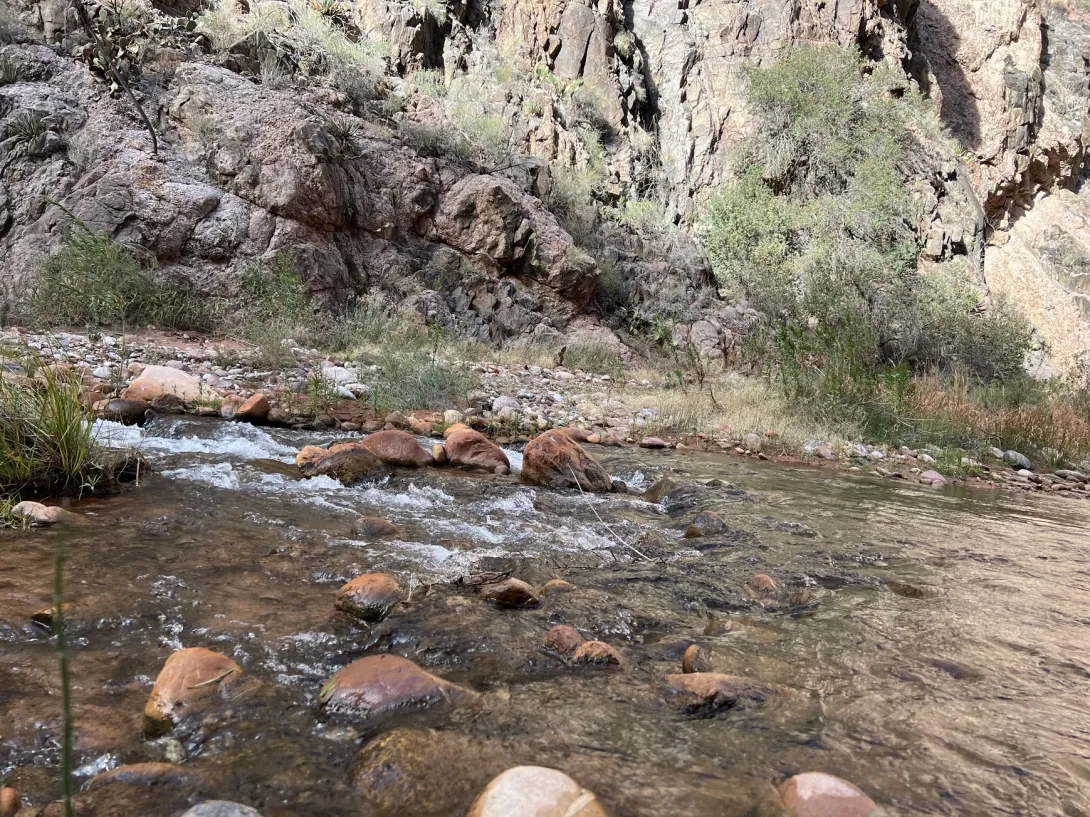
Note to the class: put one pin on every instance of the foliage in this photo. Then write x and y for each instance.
(592, 357)
(10, 72)
(430, 82)
(571, 199)
(25, 126)
(417, 380)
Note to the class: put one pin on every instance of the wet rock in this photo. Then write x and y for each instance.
(164, 381)
(38, 514)
(712, 691)
(594, 439)
(423, 772)
(191, 679)
(695, 660)
(576, 434)
(596, 653)
(718, 626)
(1017, 460)
(348, 463)
(555, 460)
(374, 527)
(127, 412)
(761, 586)
(453, 429)
(369, 597)
(510, 593)
(229, 406)
(535, 791)
(653, 442)
(932, 478)
(706, 523)
(144, 775)
(221, 808)
(439, 454)
(47, 615)
(254, 408)
(380, 685)
(618, 487)
(9, 802)
(467, 448)
(563, 640)
(815, 794)
(554, 586)
(398, 448)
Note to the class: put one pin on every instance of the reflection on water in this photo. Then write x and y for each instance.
(940, 660)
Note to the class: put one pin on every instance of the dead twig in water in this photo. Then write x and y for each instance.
(211, 681)
(612, 532)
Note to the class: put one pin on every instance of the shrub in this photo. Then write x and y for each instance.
(592, 357)
(25, 126)
(416, 380)
(429, 82)
(10, 72)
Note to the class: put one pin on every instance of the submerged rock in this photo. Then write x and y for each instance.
(706, 523)
(165, 381)
(144, 775)
(510, 593)
(535, 791)
(221, 808)
(191, 679)
(467, 448)
(761, 586)
(423, 772)
(38, 514)
(126, 412)
(348, 463)
(712, 691)
(398, 448)
(374, 527)
(369, 597)
(379, 685)
(695, 660)
(596, 653)
(563, 640)
(554, 586)
(815, 794)
(555, 460)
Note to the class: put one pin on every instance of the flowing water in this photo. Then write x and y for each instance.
(939, 656)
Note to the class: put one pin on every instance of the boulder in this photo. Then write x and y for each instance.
(555, 460)
(596, 653)
(9, 802)
(229, 406)
(254, 408)
(191, 680)
(398, 448)
(815, 794)
(439, 454)
(369, 597)
(933, 478)
(753, 442)
(347, 462)
(380, 685)
(467, 448)
(535, 791)
(453, 429)
(144, 775)
(374, 527)
(653, 442)
(38, 514)
(510, 593)
(1017, 460)
(761, 586)
(423, 772)
(127, 412)
(563, 640)
(695, 660)
(706, 523)
(221, 808)
(160, 381)
(712, 691)
(579, 435)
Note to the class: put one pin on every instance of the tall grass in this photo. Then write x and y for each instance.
(418, 380)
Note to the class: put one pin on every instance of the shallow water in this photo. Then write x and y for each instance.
(940, 659)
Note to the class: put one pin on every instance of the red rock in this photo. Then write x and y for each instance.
(127, 412)
(467, 448)
(397, 448)
(38, 514)
(510, 593)
(555, 460)
(379, 685)
(556, 586)
(695, 660)
(815, 794)
(374, 527)
(191, 679)
(715, 690)
(160, 381)
(596, 653)
(369, 597)
(653, 442)
(451, 429)
(579, 435)
(255, 407)
(563, 640)
(535, 791)
(347, 462)
(229, 406)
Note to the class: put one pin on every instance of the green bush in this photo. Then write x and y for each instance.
(592, 357)
(416, 380)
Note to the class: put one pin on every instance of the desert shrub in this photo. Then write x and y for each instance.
(571, 199)
(592, 357)
(10, 72)
(437, 141)
(430, 82)
(418, 380)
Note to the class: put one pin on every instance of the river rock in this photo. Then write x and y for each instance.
(535, 791)
(452, 417)
(554, 586)
(1017, 460)
(9, 802)
(379, 685)
(653, 442)
(424, 772)
(1072, 476)
(753, 442)
(398, 448)
(229, 406)
(191, 679)
(563, 640)
(221, 808)
(467, 448)
(439, 454)
(510, 593)
(579, 435)
(254, 408)
(453, 429)
(38, 514)
(815, 794)
(555, 460)
(932, 478)
(160, 381)
(711, 691)
(347, 462)
(374, 527)
(761, 586)
(127, 412)
(695, 660)
(369, 597)
(144, 775)
(596, 653)
(706, 523)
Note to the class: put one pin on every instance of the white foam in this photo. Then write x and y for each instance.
(218, 475)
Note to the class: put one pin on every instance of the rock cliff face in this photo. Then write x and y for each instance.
(645, 98)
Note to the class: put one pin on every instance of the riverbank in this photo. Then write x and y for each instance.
(510, 395)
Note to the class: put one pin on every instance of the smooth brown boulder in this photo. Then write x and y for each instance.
(380, 685)
(369, 597)
(510, 593)
(710, 691)
(555, 460)
(563, 640)
(705, 523)
(229, 406)
(144, 775)
(126, 412)
(398, 448)
(424, 772)
(191, 680)
(579, 435)
(596, 653)
(815, 794)
(9, 802)
(535, 791)
(38, 514)
(454, 428)
(160, 381)
(374, 527)
(348, 463)
(439, 454)
(467, 448)
(254, 407)
(695, 660)
(554, 586)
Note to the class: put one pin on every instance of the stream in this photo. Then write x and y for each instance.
(932, 646)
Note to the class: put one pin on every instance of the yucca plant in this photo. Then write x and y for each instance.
(10, 73)
(25, 126)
